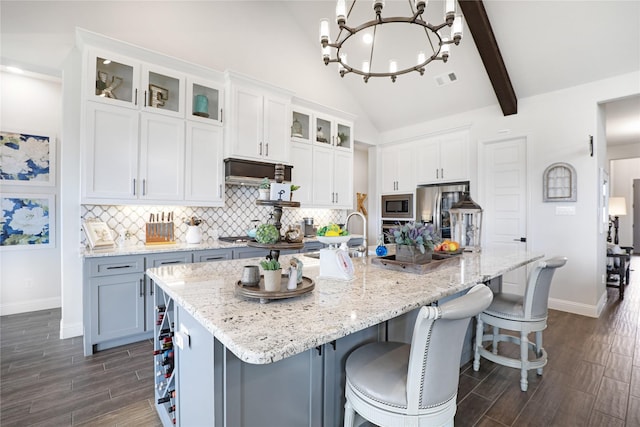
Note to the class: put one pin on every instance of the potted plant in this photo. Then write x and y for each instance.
(272, 274)
(414, 242)
(293, 188)
(263, 189)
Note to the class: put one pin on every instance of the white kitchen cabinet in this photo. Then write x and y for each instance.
(443, 158)
(204, 178)
(302, 172)
(259, 124)
(163, 91)
(204, 102)
(332, 178)
(398, 168)
(333, 131)
(111, 156)
(162, 148)
(141, 145)
(112, 79)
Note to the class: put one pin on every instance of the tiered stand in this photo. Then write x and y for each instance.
(275, 248)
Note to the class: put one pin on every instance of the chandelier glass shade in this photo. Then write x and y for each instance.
(422, 42)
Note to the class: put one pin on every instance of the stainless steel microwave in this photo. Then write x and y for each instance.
(397, 206)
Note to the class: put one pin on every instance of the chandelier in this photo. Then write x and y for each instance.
(431, 37)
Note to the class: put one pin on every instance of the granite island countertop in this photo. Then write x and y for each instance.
(265, 333)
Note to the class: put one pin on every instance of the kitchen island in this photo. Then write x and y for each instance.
(240, 363)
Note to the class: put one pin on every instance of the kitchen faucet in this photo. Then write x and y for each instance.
(364, 236)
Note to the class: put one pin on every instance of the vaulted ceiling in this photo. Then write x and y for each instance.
(545, 46)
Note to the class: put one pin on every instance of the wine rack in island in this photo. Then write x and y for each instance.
(164, 358)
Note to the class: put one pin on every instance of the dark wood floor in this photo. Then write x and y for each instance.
(592, 379)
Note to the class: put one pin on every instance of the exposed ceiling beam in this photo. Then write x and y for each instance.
(480, 27)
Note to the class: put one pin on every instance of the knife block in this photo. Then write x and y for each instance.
(160, 233)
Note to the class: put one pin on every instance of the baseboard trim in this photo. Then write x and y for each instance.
(577, 308)
(71, 330)
(31, 305)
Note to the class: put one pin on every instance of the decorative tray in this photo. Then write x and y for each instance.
(389, 262)
(258, 291)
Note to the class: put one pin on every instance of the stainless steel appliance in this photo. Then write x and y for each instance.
(307, 227)
(434, 201)
(397, 206)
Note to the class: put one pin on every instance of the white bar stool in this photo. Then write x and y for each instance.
(524, 314)
(397, 384)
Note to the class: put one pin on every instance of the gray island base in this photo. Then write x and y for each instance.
(236, 362)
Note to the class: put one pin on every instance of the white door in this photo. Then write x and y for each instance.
(504, 180)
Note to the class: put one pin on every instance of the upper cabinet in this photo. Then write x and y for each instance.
(322, 157)
(259, 124)
(332, 131)
(126, 82)
(205, 100)
(113, 79)
(398, 168)
(443, 158)
(152, 134)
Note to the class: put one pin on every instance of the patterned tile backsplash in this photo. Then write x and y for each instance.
(232, 220)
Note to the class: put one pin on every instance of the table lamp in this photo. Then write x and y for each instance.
(617, 207)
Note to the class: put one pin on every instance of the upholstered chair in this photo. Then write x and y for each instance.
(523, 314)
(398, 384)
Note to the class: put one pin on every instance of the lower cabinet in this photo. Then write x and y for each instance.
(113, 302)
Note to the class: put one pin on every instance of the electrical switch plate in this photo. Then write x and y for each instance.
(565, 210)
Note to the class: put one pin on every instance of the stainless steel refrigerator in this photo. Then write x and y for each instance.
(434, 201)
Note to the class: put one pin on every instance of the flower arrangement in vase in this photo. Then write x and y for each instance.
(414, 241)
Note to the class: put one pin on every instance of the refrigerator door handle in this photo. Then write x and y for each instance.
(437, 212)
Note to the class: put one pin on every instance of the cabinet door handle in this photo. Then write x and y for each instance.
(134, 186)
(441, 173)
(437, 174)
(144, 187)
(220, 191)
(171, 262)
(145, 98)
(260, 150)
(266, 149)
(115, 267)
(142, 287)
(150, 288)
(135, 99)
(336, 197)
(214, 258)
(221, 115)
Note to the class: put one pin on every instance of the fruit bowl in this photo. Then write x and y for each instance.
(333, 240)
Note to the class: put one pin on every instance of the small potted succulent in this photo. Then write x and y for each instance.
(272, 272)
(414, 241)
(263, 189)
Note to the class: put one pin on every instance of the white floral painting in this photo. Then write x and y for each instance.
(26, 159)
(27, 221)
